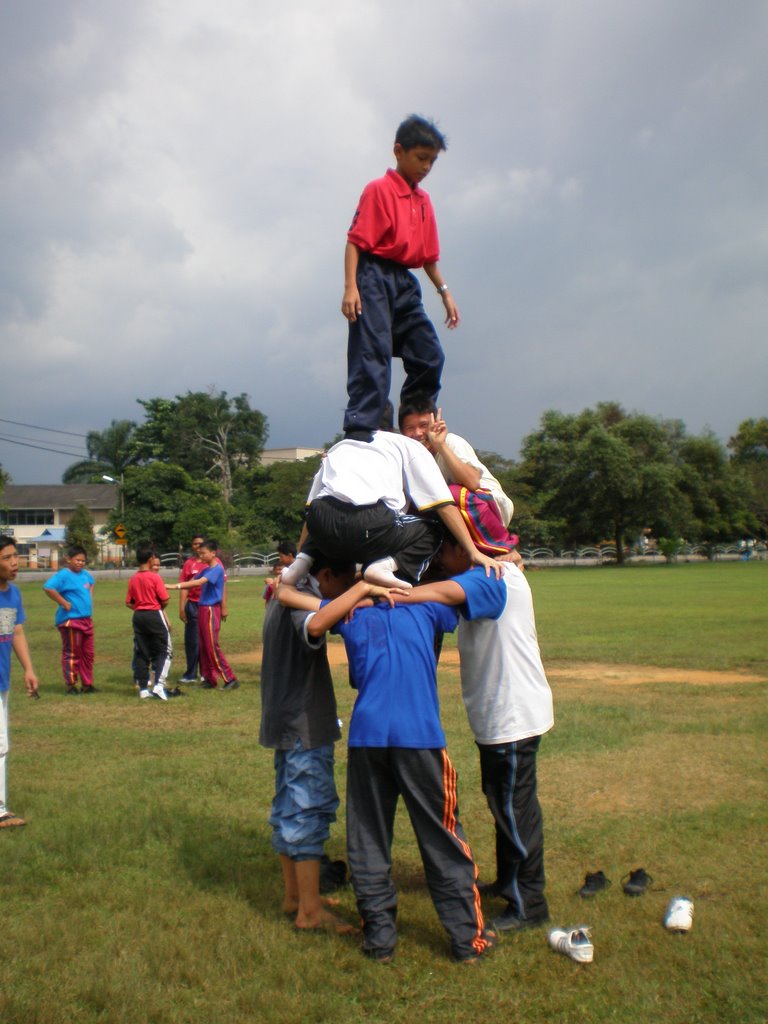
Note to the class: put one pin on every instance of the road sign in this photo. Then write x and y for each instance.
(120, 531)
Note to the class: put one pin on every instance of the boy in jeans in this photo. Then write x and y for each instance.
(299, 722)
(71, 588)
(392, 232)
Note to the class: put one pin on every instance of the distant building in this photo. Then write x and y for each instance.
(272, 455)
(36, 516)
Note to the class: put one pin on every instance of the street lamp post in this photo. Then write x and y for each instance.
(120, 483)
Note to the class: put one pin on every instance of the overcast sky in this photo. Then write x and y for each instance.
(177, 177)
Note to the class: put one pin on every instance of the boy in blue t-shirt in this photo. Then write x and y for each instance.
(211, 610)
(71, 588)
(11, 638)
(397, 748)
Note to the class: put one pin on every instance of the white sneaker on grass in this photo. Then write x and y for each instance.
(573, 942)
(145, 694)
(679, 915)
(160, 691)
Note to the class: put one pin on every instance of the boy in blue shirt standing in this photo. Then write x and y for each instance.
(211, 607)
(71, 588)
(393, 231)
(11, 637)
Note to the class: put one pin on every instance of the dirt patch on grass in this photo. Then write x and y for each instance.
(592, 671)
(632, 675)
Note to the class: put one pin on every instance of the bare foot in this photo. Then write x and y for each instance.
(291, 906)
(326, 921)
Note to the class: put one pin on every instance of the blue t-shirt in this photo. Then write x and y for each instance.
(74, 587)
(212, 592)
(392, 663)
(11, 615)
(486, 596)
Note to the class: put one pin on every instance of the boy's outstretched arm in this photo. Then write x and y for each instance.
(340, 607)
(451, 517)
(289, 596)
(351, 305)
(445, 592)
(452, 315)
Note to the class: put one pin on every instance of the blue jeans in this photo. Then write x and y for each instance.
(305, 801)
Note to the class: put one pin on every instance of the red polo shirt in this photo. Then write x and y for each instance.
(396, 222)
(146, 590)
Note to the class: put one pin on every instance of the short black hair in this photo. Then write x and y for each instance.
(144, 552)
(338, 566)
(420, 131)
(286, 547)
(210, 545)
(76, 549)
(7, 542)
(417, 404)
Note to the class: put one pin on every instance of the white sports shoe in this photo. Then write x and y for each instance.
(679, 915)
(160, 691)
(573, 942)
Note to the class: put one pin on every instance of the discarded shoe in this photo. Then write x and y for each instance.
(594, 882)
(573, 942)
(637, 882)
(679, 915)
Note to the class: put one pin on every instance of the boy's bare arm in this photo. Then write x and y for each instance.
(351, 306)
(340, 607)
(445, 592)
(452, 315)
(451, 517)
(299, 599)
(188, 584)
(21, 650)
(460, 472)
(56, 597)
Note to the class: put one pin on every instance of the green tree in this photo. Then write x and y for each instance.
(270, 505)
(604, 473)
(166, 505)
(110, 451)
(749, 452)
(206, 433)
(80, 531)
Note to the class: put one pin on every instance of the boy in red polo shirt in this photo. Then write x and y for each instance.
(392, 232)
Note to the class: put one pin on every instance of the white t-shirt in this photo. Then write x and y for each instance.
(503, 682)
(464, 451)
(390, 468)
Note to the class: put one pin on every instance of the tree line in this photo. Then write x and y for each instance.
(193, 465)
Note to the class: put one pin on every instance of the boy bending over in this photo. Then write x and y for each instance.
(397, 748)
(509, 706)
(299, 722)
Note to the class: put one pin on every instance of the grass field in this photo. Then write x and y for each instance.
(144, 888)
